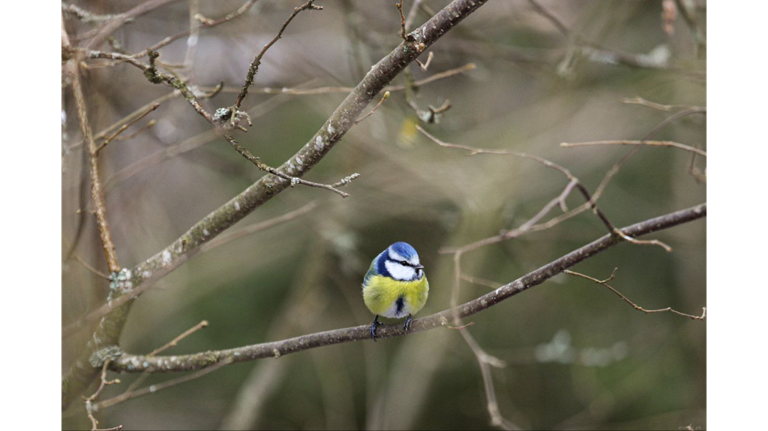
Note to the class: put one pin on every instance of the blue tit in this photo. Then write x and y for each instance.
(395, 285)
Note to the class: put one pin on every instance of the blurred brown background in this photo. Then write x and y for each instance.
(577, 356)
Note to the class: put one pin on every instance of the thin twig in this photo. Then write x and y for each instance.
(432, 114)
(232, 235)
(643, 241)
(130, 117)
(435, 77)
(151, 389)
(481, 281)
(383, 99)
(82, 262)
(484, 360)
(125, 126)
(293, 180)
(664, 123)
(475, 151)
(254, 67)
(141, 130)
(630, 142)
(87, 266)
(125, 396)
(424, 66)
(183, 335)
(653, 105)
(128, 394)
(89, 407)
(399, 6)
(628, 301)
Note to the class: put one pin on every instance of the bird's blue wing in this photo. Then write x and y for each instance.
(372, 271)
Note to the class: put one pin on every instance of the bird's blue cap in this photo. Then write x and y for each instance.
(403, 249)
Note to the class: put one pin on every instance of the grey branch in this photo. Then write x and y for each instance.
(140, 363)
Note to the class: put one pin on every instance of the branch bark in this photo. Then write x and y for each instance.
(143, 275)
(140, 363)
(85, 369)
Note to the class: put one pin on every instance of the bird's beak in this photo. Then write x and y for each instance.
(418, 266)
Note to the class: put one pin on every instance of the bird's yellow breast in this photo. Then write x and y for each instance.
(381, 295)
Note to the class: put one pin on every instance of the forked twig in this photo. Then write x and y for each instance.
(90, 408)
(628, 301)
(591, 199)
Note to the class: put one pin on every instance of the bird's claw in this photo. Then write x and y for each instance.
(373, 327)
(407, 324)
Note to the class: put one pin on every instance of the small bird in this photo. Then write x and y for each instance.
(395, 285)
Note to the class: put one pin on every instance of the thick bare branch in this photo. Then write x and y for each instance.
(140, 363)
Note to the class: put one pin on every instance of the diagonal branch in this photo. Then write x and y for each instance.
(140, 363)
(254, 67)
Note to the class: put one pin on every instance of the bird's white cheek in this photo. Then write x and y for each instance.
(400, 272)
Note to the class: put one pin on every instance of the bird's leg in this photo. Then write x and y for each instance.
(373, 327)
(407, 325)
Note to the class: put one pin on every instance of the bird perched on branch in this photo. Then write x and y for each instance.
(395, 285)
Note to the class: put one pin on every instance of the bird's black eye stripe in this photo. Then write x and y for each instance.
(402, 262)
